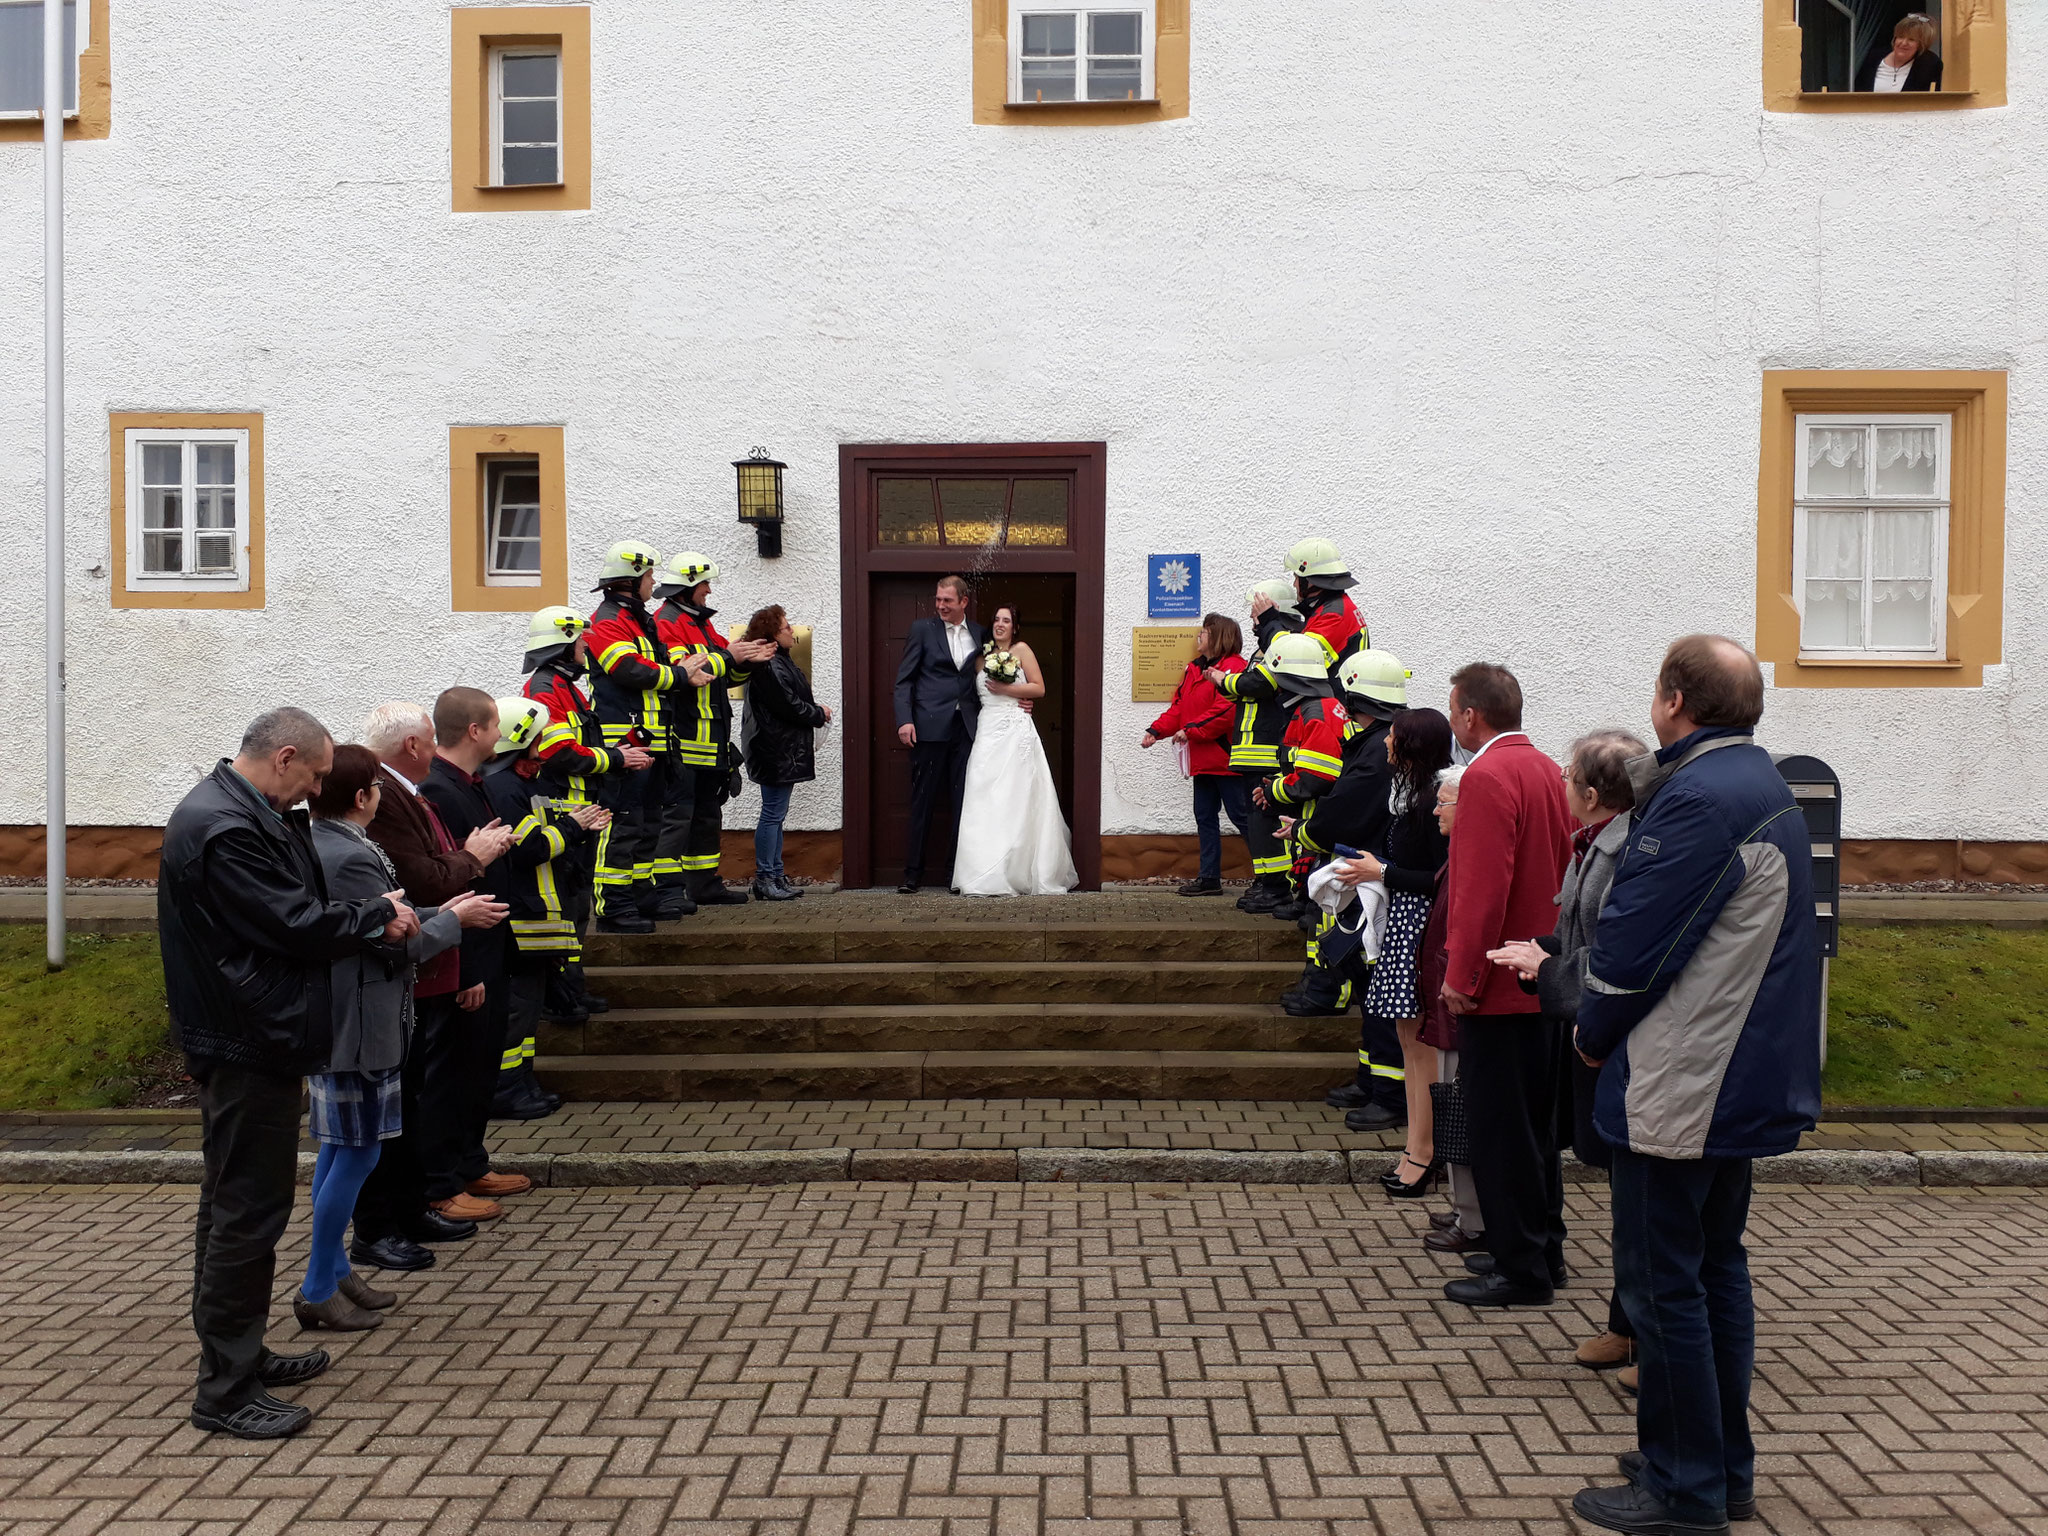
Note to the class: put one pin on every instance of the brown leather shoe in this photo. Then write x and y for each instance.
(493, 1185)
(1628, 1376)
(1443, 1221)
(1603, 1352)
(468, 1208)
(1453, 1239)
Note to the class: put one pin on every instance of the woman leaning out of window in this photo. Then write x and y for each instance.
(782, 720)
(1199, 721)
(1910, 64)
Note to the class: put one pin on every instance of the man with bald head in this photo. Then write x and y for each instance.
(1702, 1010)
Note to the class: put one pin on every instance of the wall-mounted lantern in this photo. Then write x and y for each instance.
(760, 484)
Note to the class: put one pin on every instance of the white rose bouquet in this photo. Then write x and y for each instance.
(1000, 666)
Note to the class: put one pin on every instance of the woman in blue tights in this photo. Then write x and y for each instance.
(357, 1102)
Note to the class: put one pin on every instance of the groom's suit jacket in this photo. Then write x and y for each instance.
(931, 691)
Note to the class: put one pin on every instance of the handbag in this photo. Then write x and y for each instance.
(1450, 1126)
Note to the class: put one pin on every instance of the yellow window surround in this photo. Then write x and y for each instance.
(992, 104)
(1976, 405)
(95, 116)
(250, 510)
(470, 453)
(477, 30)
(1972, 57)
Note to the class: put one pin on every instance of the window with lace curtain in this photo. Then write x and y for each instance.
(1870, 535)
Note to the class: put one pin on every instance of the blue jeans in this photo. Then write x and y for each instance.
(1682, 1276)
(768, 831)
(1229, 792)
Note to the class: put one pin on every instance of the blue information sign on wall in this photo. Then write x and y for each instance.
(1174, 590)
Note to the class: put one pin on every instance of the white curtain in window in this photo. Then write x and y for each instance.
(1906, 460)
(1834, 546)
(1834, 461)
(1901, 580)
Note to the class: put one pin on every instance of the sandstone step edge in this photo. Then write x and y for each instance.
(1031, 1165)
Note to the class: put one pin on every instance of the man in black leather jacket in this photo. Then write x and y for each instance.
(248, 937)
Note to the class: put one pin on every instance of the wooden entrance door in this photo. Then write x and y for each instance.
(1023, 523)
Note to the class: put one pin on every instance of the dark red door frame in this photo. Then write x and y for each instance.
(860, 557)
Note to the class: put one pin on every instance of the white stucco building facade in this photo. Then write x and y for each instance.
(1490, 306)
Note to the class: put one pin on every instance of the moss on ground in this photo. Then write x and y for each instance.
(94, 1035)
(1950, 1016)
(1954, 1015)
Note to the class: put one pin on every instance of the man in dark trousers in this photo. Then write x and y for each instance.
(1702, 1009)
(393, 1218)
(460, 1183)
(937, 709)
(248, 937)
(1509, 851)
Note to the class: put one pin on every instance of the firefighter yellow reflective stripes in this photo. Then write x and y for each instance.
(697, 863)
(551, 835)
(1278, 864)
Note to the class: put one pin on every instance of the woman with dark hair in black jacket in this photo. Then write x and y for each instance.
(782, 719)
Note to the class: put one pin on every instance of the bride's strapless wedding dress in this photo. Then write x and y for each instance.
(1013, 840)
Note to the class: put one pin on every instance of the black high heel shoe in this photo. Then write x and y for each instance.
(1400, 1189)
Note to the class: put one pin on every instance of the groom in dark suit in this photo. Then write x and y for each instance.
(936, 711)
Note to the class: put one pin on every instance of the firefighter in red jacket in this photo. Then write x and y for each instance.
(1322, 583)
(630, 685)
(1262, 715)
(1312, 751)
(699, 733)
(574, 763)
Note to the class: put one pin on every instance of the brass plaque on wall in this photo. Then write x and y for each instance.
(1159, 656)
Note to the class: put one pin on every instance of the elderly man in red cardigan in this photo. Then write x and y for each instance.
(1509, 850)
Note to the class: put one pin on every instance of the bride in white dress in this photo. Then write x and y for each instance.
(1013, 840)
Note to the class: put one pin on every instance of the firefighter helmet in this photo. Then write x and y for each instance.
(1301, 664)
(1279, 592)
(551, 633)
(627, 559)
(1317, 562)
(1377, 677)
(519, 723)
(685, 572)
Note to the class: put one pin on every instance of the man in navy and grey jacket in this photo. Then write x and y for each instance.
(1702, 1000)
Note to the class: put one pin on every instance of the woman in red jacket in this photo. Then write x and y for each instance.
(1200, 718)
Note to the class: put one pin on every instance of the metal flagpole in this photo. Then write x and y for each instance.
(53, 474)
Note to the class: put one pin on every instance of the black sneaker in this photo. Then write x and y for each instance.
(289, 1370)
(261, 1418)
(1202, 888)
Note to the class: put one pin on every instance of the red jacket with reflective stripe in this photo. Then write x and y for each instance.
(572, 749)
(1312, 750)
(1336, 622)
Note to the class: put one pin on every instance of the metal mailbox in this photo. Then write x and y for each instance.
(1819, 793)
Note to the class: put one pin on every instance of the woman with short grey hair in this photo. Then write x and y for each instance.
(1602, 797)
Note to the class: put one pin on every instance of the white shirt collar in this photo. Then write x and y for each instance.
(1503, 736)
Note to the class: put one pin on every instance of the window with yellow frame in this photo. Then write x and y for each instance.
(1881, 528)
(508, 526)
(519, 99)
(1883, 55)
(88, 86)
(1046, 62)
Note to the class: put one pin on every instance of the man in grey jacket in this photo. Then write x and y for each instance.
(1702, 1009)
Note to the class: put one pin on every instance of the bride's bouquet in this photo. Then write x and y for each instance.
(1000, 666)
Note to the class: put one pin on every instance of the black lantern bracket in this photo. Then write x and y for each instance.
(760, 499)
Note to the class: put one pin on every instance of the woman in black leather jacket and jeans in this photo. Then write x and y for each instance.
(782, 722)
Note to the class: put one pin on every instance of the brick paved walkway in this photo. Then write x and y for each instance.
(931, 1360)
(943, 1124)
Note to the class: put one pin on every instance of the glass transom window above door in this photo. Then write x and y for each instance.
(1067, 53)
(971, 512)
(187, 499)
(1870, 536)
(526, 117)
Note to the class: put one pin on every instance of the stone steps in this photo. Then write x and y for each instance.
(950, 1026)
(965, 984)
(867, 995)
(716, 936)
(1283, 1075)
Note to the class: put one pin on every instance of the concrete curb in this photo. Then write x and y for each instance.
(1037, 1165)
